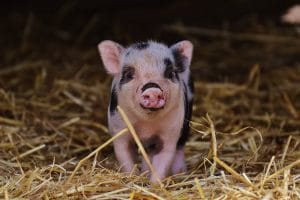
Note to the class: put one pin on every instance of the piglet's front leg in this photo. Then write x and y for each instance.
(124, 154)
(163, 161)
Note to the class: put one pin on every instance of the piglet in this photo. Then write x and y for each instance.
(153, 85)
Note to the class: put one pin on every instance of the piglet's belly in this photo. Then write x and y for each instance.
(162, 128)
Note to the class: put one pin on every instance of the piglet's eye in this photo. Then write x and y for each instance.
(170, 73)
(127, 74)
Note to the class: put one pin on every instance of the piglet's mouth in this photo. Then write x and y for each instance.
(152, 99)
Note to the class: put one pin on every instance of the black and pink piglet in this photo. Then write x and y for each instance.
(153, 85)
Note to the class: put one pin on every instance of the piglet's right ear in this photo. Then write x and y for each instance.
(110, 53)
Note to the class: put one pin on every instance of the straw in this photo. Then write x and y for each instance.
(96, 151)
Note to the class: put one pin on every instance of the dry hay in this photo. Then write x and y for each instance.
(54, 141)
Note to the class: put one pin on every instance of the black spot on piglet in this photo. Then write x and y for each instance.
(191, 84)
(153, 145)
(180, 60)
(113, 100)
(185, 130)
(141, 45)
(127, 75)
(170, 72)
(168, 62)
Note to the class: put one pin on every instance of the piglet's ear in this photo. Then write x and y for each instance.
(110, 53)
(183, 51)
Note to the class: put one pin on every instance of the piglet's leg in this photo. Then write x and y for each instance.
(124, 154)
(163, 161)
(144, 165)
(179, 165)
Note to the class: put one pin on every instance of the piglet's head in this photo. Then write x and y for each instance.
(148, 75)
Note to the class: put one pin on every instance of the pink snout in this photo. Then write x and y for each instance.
(152, 98)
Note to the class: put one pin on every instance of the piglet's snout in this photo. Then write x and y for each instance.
(152, 98)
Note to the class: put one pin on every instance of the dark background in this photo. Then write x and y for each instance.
(133, 19)
(61, 30)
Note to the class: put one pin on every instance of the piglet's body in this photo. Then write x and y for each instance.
(152, 84)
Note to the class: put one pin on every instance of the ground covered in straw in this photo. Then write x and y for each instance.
(245, 141)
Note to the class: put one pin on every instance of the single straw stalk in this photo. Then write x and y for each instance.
(28, 152)
(233, 172)
(10, 121)
(6, 196)
(286, 149)
(199, 188)
(268, 170)
(213, 143)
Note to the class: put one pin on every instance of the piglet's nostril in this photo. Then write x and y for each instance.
(146, 96)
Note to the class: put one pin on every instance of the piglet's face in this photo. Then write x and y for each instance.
(147, 75)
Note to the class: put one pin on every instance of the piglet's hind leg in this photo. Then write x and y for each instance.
(179, 165)
(163, 161)
(144, 165)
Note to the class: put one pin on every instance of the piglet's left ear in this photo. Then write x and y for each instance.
(183, 50)
(110, 53)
